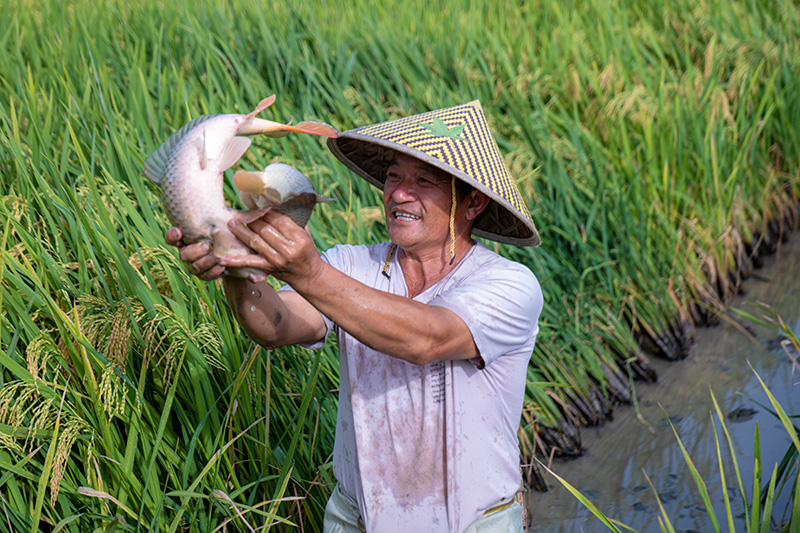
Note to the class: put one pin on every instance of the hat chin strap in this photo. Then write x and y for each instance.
(452, 219)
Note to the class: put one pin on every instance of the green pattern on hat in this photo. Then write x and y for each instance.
(456, 140)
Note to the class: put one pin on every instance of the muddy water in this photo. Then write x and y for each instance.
(611, 472)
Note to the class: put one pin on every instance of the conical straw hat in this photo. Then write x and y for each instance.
(456, 140)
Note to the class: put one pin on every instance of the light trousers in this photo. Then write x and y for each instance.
(342, 516)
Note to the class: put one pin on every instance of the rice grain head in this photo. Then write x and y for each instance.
(14, 396)
(38, 356)
(66, 438)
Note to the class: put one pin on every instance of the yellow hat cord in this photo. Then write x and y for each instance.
(385, 270)
(452, 219)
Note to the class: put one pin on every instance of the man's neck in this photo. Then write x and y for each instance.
(424, 268)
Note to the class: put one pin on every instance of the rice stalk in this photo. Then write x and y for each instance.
(655, 143)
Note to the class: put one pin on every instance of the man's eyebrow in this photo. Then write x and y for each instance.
(436, 173)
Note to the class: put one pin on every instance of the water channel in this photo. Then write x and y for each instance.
(610, 474)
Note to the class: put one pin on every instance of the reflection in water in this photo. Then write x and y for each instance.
(610, 474)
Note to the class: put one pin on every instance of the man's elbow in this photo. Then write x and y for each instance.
(421, 354)
(258, 326)
(444, 347)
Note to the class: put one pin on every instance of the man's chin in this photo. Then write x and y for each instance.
(403, 239)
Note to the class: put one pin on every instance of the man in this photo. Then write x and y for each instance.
(435, 331)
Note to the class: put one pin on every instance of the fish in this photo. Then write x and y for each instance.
(279, 187)
(189, 166)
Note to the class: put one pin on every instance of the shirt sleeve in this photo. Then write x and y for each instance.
(501, 305)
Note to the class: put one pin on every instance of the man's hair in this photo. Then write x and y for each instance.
(463, 189)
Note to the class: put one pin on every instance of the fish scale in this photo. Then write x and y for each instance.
(189, 168)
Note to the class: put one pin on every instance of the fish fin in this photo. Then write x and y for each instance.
(256, 276)
(322, 199)
(248, 181)
(201, 145)
(232, 150)
(262, 105)
(252, 274)
(248, 200)
(155, 165)
(223, 240)
(250, 215)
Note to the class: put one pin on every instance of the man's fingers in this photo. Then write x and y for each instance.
(263, 242)
(213, 273)
(284, 225)
(193, 252)
(173, 237)
(203, 264)
(253, 261)
(199, 260)
(257, 225)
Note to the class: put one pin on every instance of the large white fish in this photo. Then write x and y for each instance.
(189, 168)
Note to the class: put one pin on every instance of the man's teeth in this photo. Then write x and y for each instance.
(405, 216)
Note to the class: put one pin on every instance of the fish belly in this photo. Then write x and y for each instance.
(193, 197)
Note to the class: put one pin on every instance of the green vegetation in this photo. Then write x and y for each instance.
(656, 144)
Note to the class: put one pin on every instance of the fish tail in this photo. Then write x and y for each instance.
(276, 129)
(315, 128)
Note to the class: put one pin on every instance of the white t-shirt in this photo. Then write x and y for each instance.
(431, 448)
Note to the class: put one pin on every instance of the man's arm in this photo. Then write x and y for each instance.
(271, 319)
(392, 324)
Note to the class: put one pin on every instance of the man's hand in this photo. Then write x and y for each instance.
(199, 259)
(284, 249)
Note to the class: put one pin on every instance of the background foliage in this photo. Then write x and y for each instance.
(656, 144)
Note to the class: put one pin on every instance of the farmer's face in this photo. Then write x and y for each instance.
(417, 198)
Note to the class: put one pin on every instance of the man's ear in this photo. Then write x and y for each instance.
(477, 203)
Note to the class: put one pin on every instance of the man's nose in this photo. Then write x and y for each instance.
(404, 191)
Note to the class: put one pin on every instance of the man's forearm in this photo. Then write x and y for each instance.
(273, 319)
(391, 324)
(257, 308)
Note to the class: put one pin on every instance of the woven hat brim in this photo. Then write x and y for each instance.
(370, 157)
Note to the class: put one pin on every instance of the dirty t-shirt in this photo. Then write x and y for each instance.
(431, 448)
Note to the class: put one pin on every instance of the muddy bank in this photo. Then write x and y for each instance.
(610, 473)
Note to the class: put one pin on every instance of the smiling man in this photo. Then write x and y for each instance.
(435, 331)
